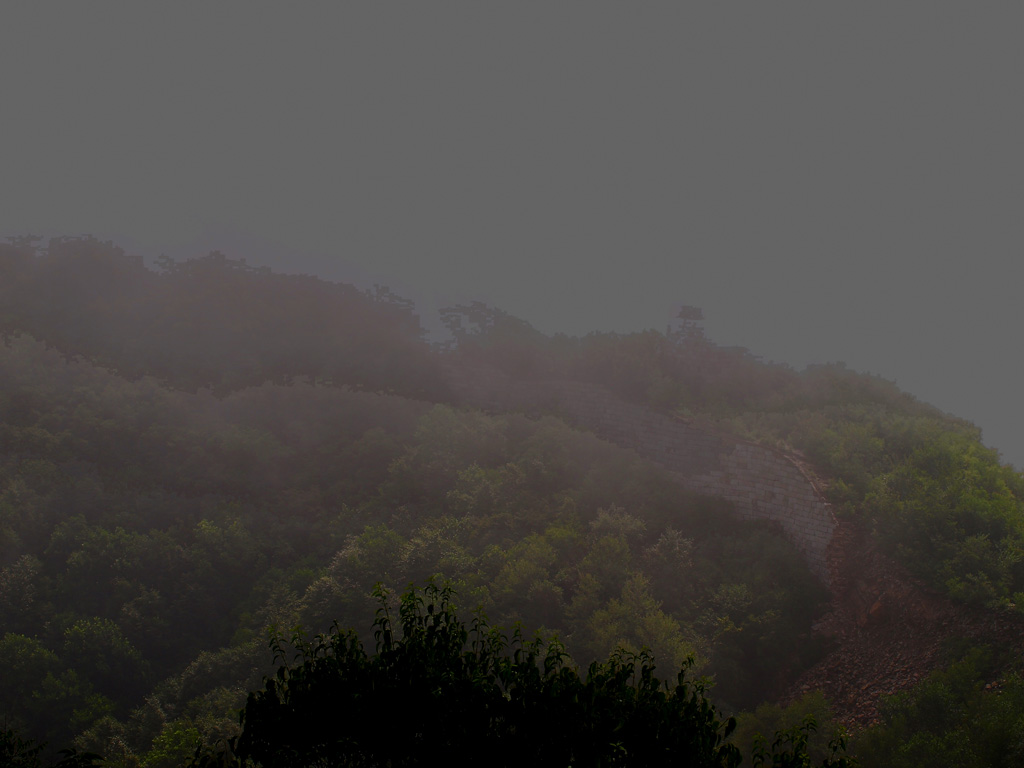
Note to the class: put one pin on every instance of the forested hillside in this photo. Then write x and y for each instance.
(195, 455)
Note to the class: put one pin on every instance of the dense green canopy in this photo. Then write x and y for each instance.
(437, 690)
(192, 453)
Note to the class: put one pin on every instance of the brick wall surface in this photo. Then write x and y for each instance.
(760, 482)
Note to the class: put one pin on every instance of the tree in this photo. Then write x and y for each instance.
(17, 752)
(437, 690)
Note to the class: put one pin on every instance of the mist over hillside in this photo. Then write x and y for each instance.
(200, 452)
(684, 337)
(827, 184)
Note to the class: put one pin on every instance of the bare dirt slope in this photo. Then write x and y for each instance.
(887, 630)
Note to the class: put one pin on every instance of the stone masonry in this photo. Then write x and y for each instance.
(761, 483)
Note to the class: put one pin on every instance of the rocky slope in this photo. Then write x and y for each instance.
(886, 630)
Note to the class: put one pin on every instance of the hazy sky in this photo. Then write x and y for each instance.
(828, 181)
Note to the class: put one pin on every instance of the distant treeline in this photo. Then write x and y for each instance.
(210, 322)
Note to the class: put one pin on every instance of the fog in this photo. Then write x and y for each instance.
(827, 183)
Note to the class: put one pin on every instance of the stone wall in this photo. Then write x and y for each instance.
(760, 482)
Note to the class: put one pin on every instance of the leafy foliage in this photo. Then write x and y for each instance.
(805, 723)
(18, 752)
(448, 689)
(952, 718)
(790, 749)
(185, 459)
(146, 528)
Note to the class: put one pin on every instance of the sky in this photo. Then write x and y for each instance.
(828, 182)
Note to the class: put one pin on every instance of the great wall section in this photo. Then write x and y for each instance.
(885, 630)
(761, 483)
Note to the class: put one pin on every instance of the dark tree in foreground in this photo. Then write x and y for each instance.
(17, 752)
(439, 691)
